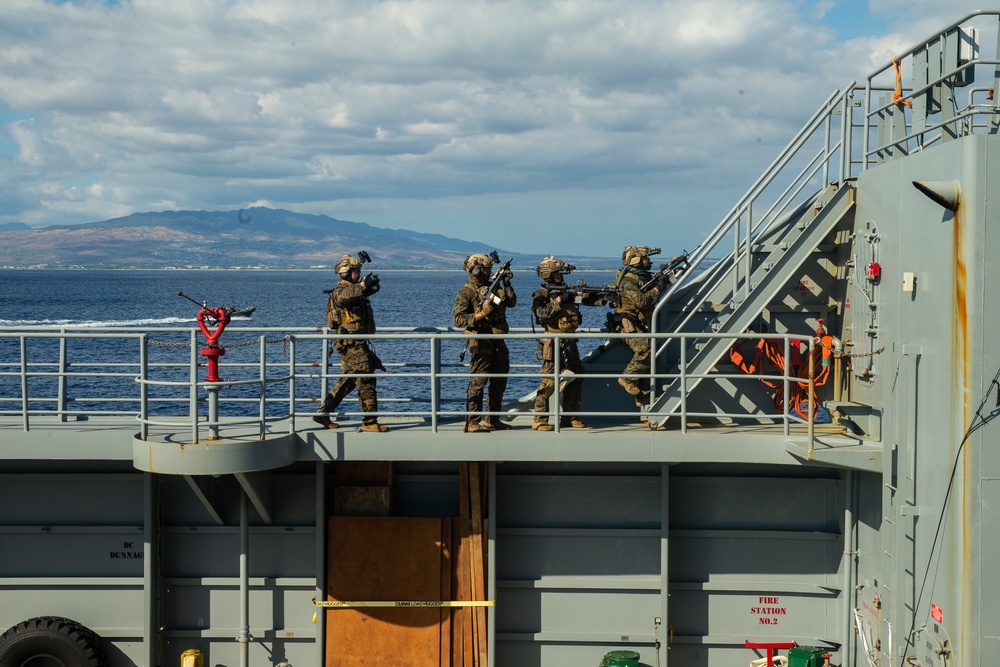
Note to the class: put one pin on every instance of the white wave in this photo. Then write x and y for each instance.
(97, 324)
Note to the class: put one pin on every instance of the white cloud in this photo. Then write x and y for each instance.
(429, 114)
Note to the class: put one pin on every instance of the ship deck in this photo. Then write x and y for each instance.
(413, 439)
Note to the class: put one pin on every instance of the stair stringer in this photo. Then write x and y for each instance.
(769, 277)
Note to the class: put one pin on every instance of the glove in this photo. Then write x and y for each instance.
(486, 309)
(663, 281)
(506, 276)
(371, 283)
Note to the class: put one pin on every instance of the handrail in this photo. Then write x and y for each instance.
(915, 127)
(692, 288)
(733, 218)
(791, 187)
(418, 387)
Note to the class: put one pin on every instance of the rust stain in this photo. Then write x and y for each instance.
(961, 369)
(961, 316)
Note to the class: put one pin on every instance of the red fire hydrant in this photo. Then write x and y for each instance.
(213, 350)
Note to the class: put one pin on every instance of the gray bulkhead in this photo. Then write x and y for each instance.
(932, 313)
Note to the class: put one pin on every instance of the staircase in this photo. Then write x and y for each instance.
(776, 258)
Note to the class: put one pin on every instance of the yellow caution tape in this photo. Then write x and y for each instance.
(338, 604)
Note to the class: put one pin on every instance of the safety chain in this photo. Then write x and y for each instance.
(150, 341)
(271, 341)
(865, 354)
(857, 355)
(267, 341)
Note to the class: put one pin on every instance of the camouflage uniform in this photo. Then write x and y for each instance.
(350, 311)
(488, 355)
(635, 310)
(561, 317)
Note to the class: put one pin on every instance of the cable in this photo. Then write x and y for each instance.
(973, 426)
(864, 639)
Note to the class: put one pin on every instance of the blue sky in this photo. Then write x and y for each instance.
(567, 127)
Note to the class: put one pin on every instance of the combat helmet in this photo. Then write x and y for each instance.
(346, 264)
(476, 262)
(633, 254)
(551, 265)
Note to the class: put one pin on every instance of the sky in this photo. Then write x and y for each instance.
(569, 127)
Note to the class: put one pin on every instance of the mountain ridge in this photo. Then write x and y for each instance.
(253, 237)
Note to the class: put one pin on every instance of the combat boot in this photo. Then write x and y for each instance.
(475, 427)
(631, 387)
(642, 400)
(326, 406)
(541, 425)
(374, 427)
(495, 424)
(325, 421)
(572, 422)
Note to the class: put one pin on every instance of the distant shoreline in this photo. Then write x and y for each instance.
(263, 268)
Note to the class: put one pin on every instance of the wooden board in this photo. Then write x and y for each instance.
(363, 473)
(362, 501)
(384, 558)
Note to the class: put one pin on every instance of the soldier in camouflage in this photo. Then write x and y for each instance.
(350, 312)
(635, 310)
(479, 313)
(558, 313)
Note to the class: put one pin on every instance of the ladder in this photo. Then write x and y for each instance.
(777, 255)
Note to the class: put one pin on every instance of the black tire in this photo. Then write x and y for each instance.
(51, 641)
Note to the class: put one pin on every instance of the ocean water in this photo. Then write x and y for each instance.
(147, 300)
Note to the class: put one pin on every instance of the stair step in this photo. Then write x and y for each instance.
(765, 282)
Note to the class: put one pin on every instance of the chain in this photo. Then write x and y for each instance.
(856, 355)
(865, 354)
(267, 341)
(272, 341)
(150, 341)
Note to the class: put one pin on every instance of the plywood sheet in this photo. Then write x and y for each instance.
(364, 473)
(362, 501)
(384, 558)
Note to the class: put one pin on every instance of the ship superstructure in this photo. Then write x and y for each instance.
(818, 471)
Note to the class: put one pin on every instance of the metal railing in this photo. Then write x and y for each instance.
(935, 99)
(156, 376)
(891, 120)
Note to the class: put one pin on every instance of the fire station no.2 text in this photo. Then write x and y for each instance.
(768, 611)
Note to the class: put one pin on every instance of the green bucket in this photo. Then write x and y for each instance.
(806, 656)
(621, 659)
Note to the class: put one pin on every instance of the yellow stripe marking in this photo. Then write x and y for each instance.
(338, 604)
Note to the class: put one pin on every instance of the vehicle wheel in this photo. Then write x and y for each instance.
(51, 641)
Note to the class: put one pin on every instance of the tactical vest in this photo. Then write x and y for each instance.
(567, 319)
(627, 306)
(359, 318)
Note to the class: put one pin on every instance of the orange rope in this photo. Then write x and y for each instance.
(897, 97)
(799, 390)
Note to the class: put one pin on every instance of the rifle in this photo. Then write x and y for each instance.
(585, 294)
(676, 266)
(495, 283)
